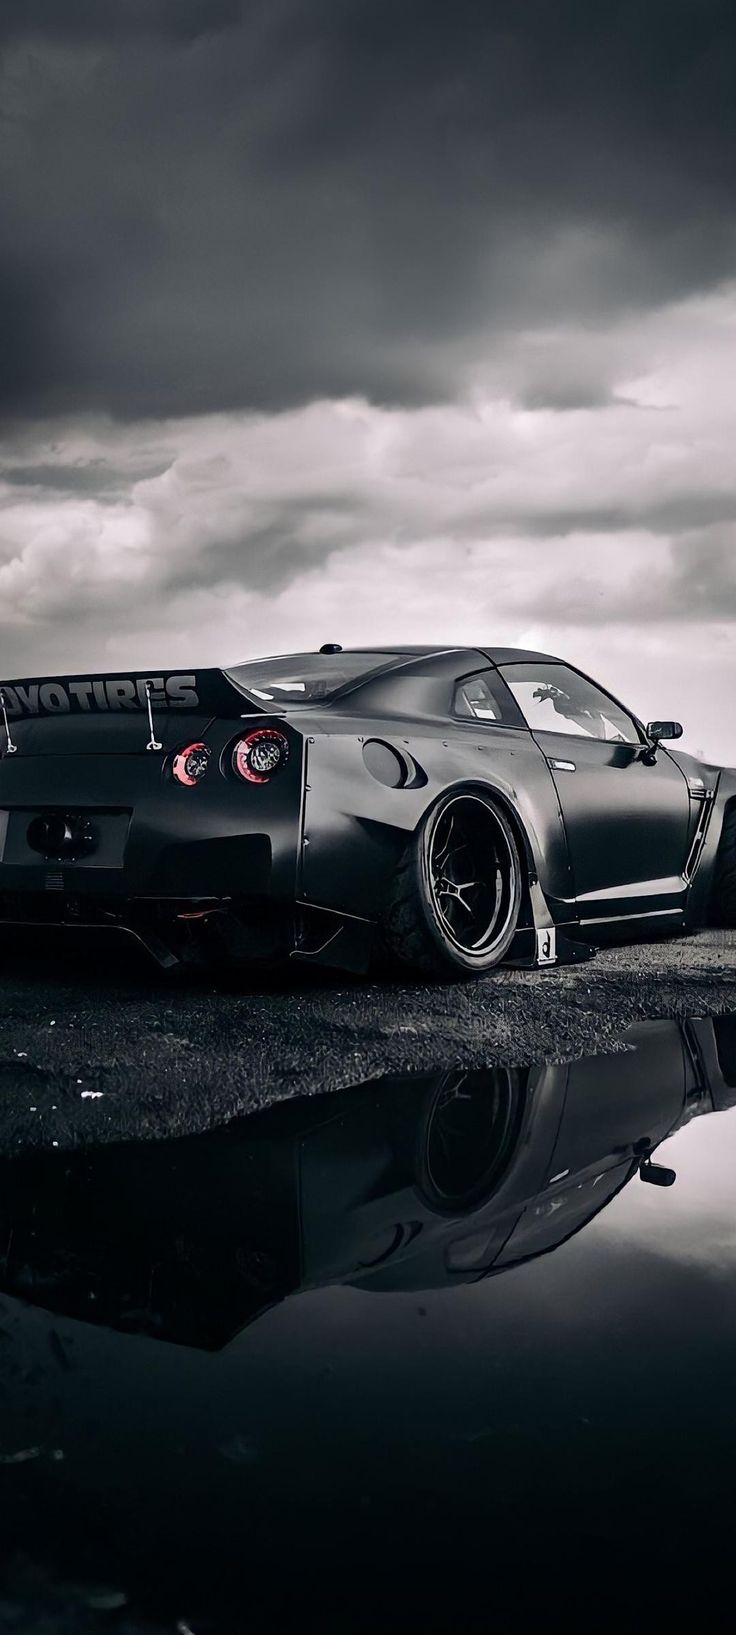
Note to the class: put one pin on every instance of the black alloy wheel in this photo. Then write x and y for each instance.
(457, 895)
(468, 1136)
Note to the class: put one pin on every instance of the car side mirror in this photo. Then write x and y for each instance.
(656, 1174)
(657, 730)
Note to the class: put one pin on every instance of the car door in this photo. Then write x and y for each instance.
(627, 819)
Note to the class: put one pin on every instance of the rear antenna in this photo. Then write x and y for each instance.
(12, 748)
(331, 647)
(153, 742)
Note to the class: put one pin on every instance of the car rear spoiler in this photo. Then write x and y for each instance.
(201, 692)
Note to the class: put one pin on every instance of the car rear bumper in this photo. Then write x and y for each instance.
(223, 866)
(119, 826)
(191, 931)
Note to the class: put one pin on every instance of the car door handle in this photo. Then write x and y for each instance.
(561, 766)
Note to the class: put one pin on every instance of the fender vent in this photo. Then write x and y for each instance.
(393, 767)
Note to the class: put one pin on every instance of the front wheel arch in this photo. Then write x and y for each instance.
(723, 894)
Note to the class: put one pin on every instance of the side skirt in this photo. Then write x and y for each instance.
(623, 928)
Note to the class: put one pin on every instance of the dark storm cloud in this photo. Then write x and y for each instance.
(283, 538)
(213, 205)
(704, 583)
(101, 482)
(668, 518)
(112, 19)
(697, 583)
(565, 396)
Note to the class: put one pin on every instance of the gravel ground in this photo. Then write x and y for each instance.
(94, 1048)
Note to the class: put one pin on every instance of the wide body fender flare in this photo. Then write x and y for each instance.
(355, 827)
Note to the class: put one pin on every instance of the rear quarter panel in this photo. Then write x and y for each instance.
(356, 828)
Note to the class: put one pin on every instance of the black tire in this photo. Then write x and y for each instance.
(467, 1136)
(723, 908)
(428, 923)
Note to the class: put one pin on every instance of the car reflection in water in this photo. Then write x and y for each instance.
(412, 1183)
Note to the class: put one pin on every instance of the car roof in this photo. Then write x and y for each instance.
(497, 655)
(519, 655)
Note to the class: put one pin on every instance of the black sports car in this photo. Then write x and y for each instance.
(461, 806)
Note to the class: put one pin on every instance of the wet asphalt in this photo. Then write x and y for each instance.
(96, 1046)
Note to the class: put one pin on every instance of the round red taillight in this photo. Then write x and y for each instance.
(261, 754)
(190, 764)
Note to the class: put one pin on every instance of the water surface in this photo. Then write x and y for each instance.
(439, 1352)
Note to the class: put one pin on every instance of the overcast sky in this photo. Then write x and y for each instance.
(362, 320)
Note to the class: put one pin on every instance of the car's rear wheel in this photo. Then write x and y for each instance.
(467, 1135)
(724, 885)
(457, 892)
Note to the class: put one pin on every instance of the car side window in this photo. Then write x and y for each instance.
(555, 698)
(485, 698)
(474, 701)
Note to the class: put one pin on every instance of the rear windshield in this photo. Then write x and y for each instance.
(304, 678)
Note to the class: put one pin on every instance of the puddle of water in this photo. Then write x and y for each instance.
(359, 1356)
